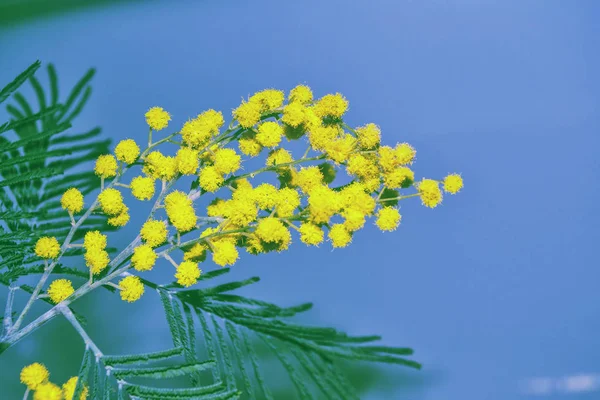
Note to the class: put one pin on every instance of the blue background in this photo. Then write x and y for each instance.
(497, 285)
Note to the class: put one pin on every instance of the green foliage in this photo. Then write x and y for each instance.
(39, 158)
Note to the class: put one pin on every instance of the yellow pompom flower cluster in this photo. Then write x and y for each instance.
(106, 166)
(111, 202)
(72, 201)
(159, 166)
(197, 132)
(143, 258)
(47, 247)
(96, 257)
(180, 211)
(157, 118)
(187, 273)
(453, 183)
(154, 233)
(59, 290)
(142, 187)
(187, 161)
(131, 288)
(36, 377)
(127, 151)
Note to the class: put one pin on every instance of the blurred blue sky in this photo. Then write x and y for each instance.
(499, 284)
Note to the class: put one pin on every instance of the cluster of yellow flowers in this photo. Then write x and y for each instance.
(257, 216)
(36, 377)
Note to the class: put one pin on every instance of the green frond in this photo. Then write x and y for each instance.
(142, 358)
(170, 371)
(84, 371)
(18, 81)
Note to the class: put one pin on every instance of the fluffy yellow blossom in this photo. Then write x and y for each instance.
(294, 114)
(240, 212)
(430, 193)
(187, 161)
(187, 273)
(47, 247)
(160, 166)
(69, 389)
(369, 136)
(272, 230)
(154, 232)
(142, 187)
(72, 201)
(399, 177)
(331, 105)
(269, 134)
(308, 178)
(388, 219)
(354, 219)
(355, 196)
(127, 151)
(224, 253)
(132, 288)
(247, 114)
(157, 118)
(287, 201)
(266, 196)
(279, 156)
(196, 253)
(321, 136)
(323, 203)
(59, 290)
(111, 201)
(48, 391)
(210, 179)
(120, 219)
(268, 99)
(387, 158)
(34, 375)
(249, 146)
(363, 166)
(94, 240)
(405, 153)
(198, 131)
(300, 94)
(453, 183)
(340, 149)
(339, 236)
(311, 234)
(106, 166)
(180, 211)
(143, 258)
(227, 161)
(96, 259)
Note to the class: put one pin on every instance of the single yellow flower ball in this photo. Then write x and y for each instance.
(180, 211)
(453, 183)
(269, 134)
(339, 236)
(225, 253)
(106, 166)
(47, 247)
(308, 178)
(48, 391)
(227, 161)
(429, 190)
(154, 233)
(187, 273)
(72, 201)
(249, 146)
(268, 99)
(210, 179)
(127, 151)
(142, 187)
(196, 253)
(300, 94)
(311, 234)
(187, 161)
(34, 375)
(388, 219)
(143, 258)
(331, 105)
(94, 240)
(399, 177)
(111, 202)
(132, 288)
(294, 114)
(157, 118)
(369, 136)
(96, 259)
(59, 290)
(159, 166)
(69, 389)
(247, 114)
(405, 153)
